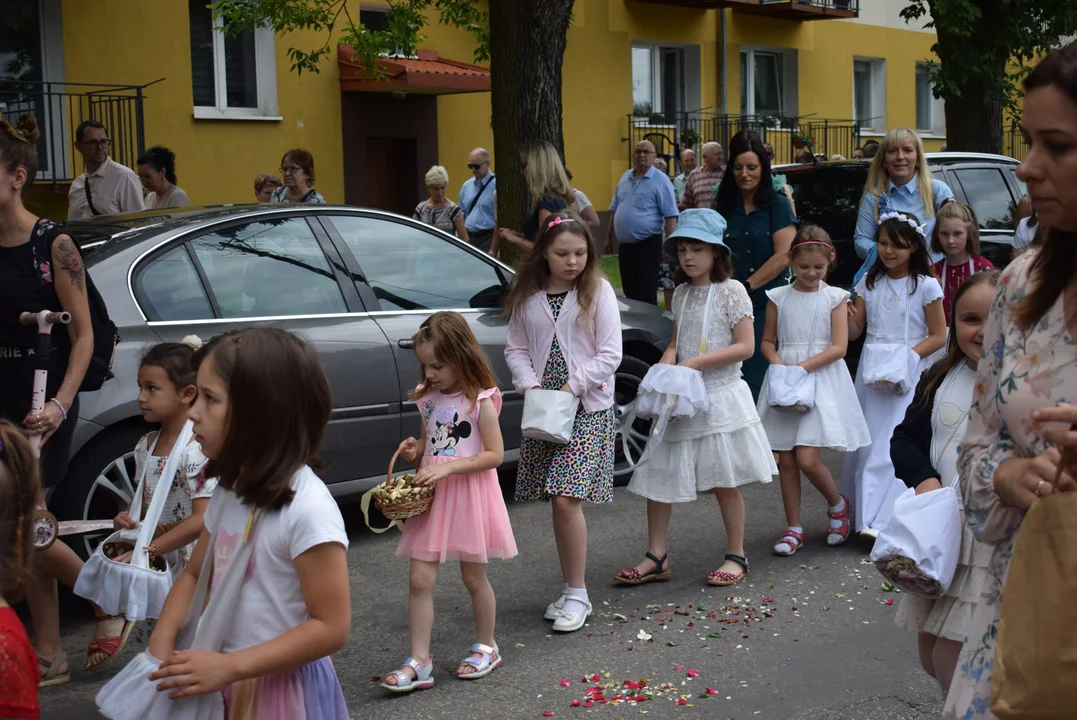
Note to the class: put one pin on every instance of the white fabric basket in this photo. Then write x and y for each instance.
(890, 368)
(790, 387)
(549, 415)
(663, 382)
(131, 695)
(135, 590)
(919, 548)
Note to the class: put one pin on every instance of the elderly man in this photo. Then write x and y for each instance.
(477, 200)
(647, 212)
(106, 187)
(688, 164)
(703, 180)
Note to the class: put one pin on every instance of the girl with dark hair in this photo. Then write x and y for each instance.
(41, 269)
(761, 228)
(565, 334)
(899, 305)
(1022, 404)
(157, 171)
(924, 451)
(166, 391)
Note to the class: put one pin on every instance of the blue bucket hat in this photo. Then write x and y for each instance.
(701, 224)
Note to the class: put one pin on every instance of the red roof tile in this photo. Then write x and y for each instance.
(426, 73)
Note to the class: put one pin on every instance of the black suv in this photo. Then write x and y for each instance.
(828, 194)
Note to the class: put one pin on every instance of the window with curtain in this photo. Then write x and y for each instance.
(924, 98)
(231, 74)
(862, 93)
(762, 82)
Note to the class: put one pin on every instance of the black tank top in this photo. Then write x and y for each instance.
(26, 285)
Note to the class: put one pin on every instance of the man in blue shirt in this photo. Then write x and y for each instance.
(477, 200)
(648, 212)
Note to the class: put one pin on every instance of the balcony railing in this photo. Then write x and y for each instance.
(786, 9)
(669, 133)
(60, 107)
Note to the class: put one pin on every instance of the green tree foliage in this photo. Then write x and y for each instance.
(985, 47)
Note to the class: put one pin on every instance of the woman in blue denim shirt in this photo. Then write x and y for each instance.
(760, 229)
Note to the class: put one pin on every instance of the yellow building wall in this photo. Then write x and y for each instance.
(216, 160)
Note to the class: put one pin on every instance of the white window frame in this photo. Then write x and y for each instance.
(936, 110)
(789, 89)
(691, 79)
(265, 67)
(876, 120)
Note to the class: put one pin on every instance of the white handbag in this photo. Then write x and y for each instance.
(919, 548)
(131, 695)
(791, 387)
(136, 590)
(549, 415)
(889, 367)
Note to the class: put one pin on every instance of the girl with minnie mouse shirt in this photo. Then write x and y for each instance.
(461, 448)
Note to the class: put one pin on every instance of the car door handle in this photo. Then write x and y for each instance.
(406, 343)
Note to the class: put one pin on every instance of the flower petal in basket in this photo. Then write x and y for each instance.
(138, 593)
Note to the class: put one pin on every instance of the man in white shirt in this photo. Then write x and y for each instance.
(106, 187)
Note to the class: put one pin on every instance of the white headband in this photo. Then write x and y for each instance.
(902, 217)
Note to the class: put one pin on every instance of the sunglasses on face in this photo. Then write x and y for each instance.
(476, 166)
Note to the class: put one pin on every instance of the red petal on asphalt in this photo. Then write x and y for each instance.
(679, 667)
(548, 713)
(639, 698)
(632, 684)
(595, 678)
(565, 683)
(682, 701)
(588, 704)
(712, 691)
(889, 601)
(575, 703)
(693, 673)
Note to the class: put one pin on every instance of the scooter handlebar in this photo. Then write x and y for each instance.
(53, 318)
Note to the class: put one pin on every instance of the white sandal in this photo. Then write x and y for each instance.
(405, 683)
(569, 621)
(490, 661)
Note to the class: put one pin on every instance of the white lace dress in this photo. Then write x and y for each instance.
(867, 474)
(836, 421)
(725, 446)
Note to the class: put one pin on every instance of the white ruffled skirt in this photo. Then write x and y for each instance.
(722, 447)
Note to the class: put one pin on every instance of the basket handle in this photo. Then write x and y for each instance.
(392, 462)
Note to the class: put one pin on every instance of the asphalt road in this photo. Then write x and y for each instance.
(804, 638)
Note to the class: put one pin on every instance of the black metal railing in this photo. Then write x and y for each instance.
(1014, 143)
(843, 5)
(670, 132)
(60, 107)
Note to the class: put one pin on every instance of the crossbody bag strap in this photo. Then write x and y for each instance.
(140, 488)
(478, 195)
(89, 197)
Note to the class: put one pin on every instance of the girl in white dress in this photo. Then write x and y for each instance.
(807, 325)
(898, 302)
(924, 450)
(724, 446)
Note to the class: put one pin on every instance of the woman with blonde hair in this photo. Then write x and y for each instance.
(439, 211)
(549, 190)
(899, 180)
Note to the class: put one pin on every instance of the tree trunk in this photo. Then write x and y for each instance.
(527, 48)
(973, 124)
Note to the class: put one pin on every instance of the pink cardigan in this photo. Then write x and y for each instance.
(593, 351)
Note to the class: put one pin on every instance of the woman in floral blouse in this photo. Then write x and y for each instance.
(1026, 388)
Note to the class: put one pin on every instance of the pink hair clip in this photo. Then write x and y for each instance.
(558, 221)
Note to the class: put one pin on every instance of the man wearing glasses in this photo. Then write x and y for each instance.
(105, 187)
(477, 200)
(644, 209)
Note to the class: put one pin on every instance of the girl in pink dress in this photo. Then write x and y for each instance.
(460, 447)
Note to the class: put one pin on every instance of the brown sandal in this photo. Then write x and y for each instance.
(724, 579)
(50, 670)
(632, 576)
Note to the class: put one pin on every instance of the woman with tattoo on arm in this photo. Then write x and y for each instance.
(41, 269)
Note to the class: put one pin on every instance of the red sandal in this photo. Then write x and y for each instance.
(838, 535)
(725, 579)
(632, 576)
(791, 539)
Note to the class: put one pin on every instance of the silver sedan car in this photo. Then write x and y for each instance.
(357, 283)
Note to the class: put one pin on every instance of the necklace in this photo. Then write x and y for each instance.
(891, 297)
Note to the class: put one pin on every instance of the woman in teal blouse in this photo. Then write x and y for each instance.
(760, 230)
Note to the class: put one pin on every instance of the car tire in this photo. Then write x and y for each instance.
(100, 483)
(626, 385)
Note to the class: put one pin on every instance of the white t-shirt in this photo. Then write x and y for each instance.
(582, 201)
(271, 601)
(1024, 235)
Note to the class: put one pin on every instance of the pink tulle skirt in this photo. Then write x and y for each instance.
(467, 521)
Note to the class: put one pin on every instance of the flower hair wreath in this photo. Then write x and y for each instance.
(902, 217)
